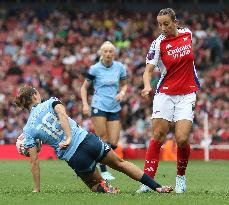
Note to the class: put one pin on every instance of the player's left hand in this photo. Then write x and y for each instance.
(146, 91)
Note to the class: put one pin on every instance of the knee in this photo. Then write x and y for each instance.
(159, 134)
(182, 142)
(120, 165)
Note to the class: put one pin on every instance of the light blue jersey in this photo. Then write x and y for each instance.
(43, 124)
(106, 85)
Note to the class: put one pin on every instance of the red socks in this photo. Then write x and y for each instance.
(182, 159)
(152, 158)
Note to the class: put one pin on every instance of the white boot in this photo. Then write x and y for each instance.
(180, 184)
(107, 176)
(143, 189)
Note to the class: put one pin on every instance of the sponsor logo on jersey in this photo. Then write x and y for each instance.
(168, 46)
(179, 52)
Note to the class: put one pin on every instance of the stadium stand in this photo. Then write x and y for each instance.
(51, 48)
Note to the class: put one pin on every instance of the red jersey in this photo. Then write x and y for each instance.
(175, 60)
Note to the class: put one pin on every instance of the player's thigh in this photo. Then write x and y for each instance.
(100, 126)
(90, 151)
(112, 160)
(182, 131)
(160, 128)
(163, 107)
(185, 107)
(113, 131)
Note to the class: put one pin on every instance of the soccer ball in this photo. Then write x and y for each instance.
(20, 145)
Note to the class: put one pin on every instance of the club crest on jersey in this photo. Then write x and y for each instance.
(185, 38)
(150, 55)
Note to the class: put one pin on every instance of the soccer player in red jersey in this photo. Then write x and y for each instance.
(175, 96)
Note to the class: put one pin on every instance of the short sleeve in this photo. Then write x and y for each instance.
(91, 73)
(53, 101)
(154, 52)
(29, 139)
(123, 75)
(189, 31)
(185, 30)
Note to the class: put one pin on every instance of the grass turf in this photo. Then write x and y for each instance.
(207, 183)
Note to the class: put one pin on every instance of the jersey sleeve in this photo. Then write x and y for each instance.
(29, 139)
(91, 73)
(123, 74)
(185, 30)
(154, 53)
(53, 101)
(189, 31)
(56, 103)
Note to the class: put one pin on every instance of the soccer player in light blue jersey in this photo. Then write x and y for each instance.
(49, 122)
(109, 80)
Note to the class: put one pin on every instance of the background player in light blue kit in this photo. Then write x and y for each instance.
(109, 80)
(49, 123)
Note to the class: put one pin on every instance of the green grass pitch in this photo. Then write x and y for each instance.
(207, 183)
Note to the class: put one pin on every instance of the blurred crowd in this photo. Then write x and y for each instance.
(52, 51)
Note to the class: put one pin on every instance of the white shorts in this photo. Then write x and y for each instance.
(174, 107)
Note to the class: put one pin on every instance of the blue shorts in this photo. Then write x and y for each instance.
(90, 151)
(110, 116)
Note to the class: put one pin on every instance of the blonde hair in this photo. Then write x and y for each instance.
(106, 44)
(24, 97)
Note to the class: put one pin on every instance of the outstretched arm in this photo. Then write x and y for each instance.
(35, 168)
(83, 92)
(147, 75)
(63, 117)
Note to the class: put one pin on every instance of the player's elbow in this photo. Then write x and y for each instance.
(82, 90)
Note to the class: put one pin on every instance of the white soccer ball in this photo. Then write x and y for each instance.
(20, 144)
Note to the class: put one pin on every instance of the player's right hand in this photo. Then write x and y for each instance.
(145, 92)
(86, 110)
(65, 144)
